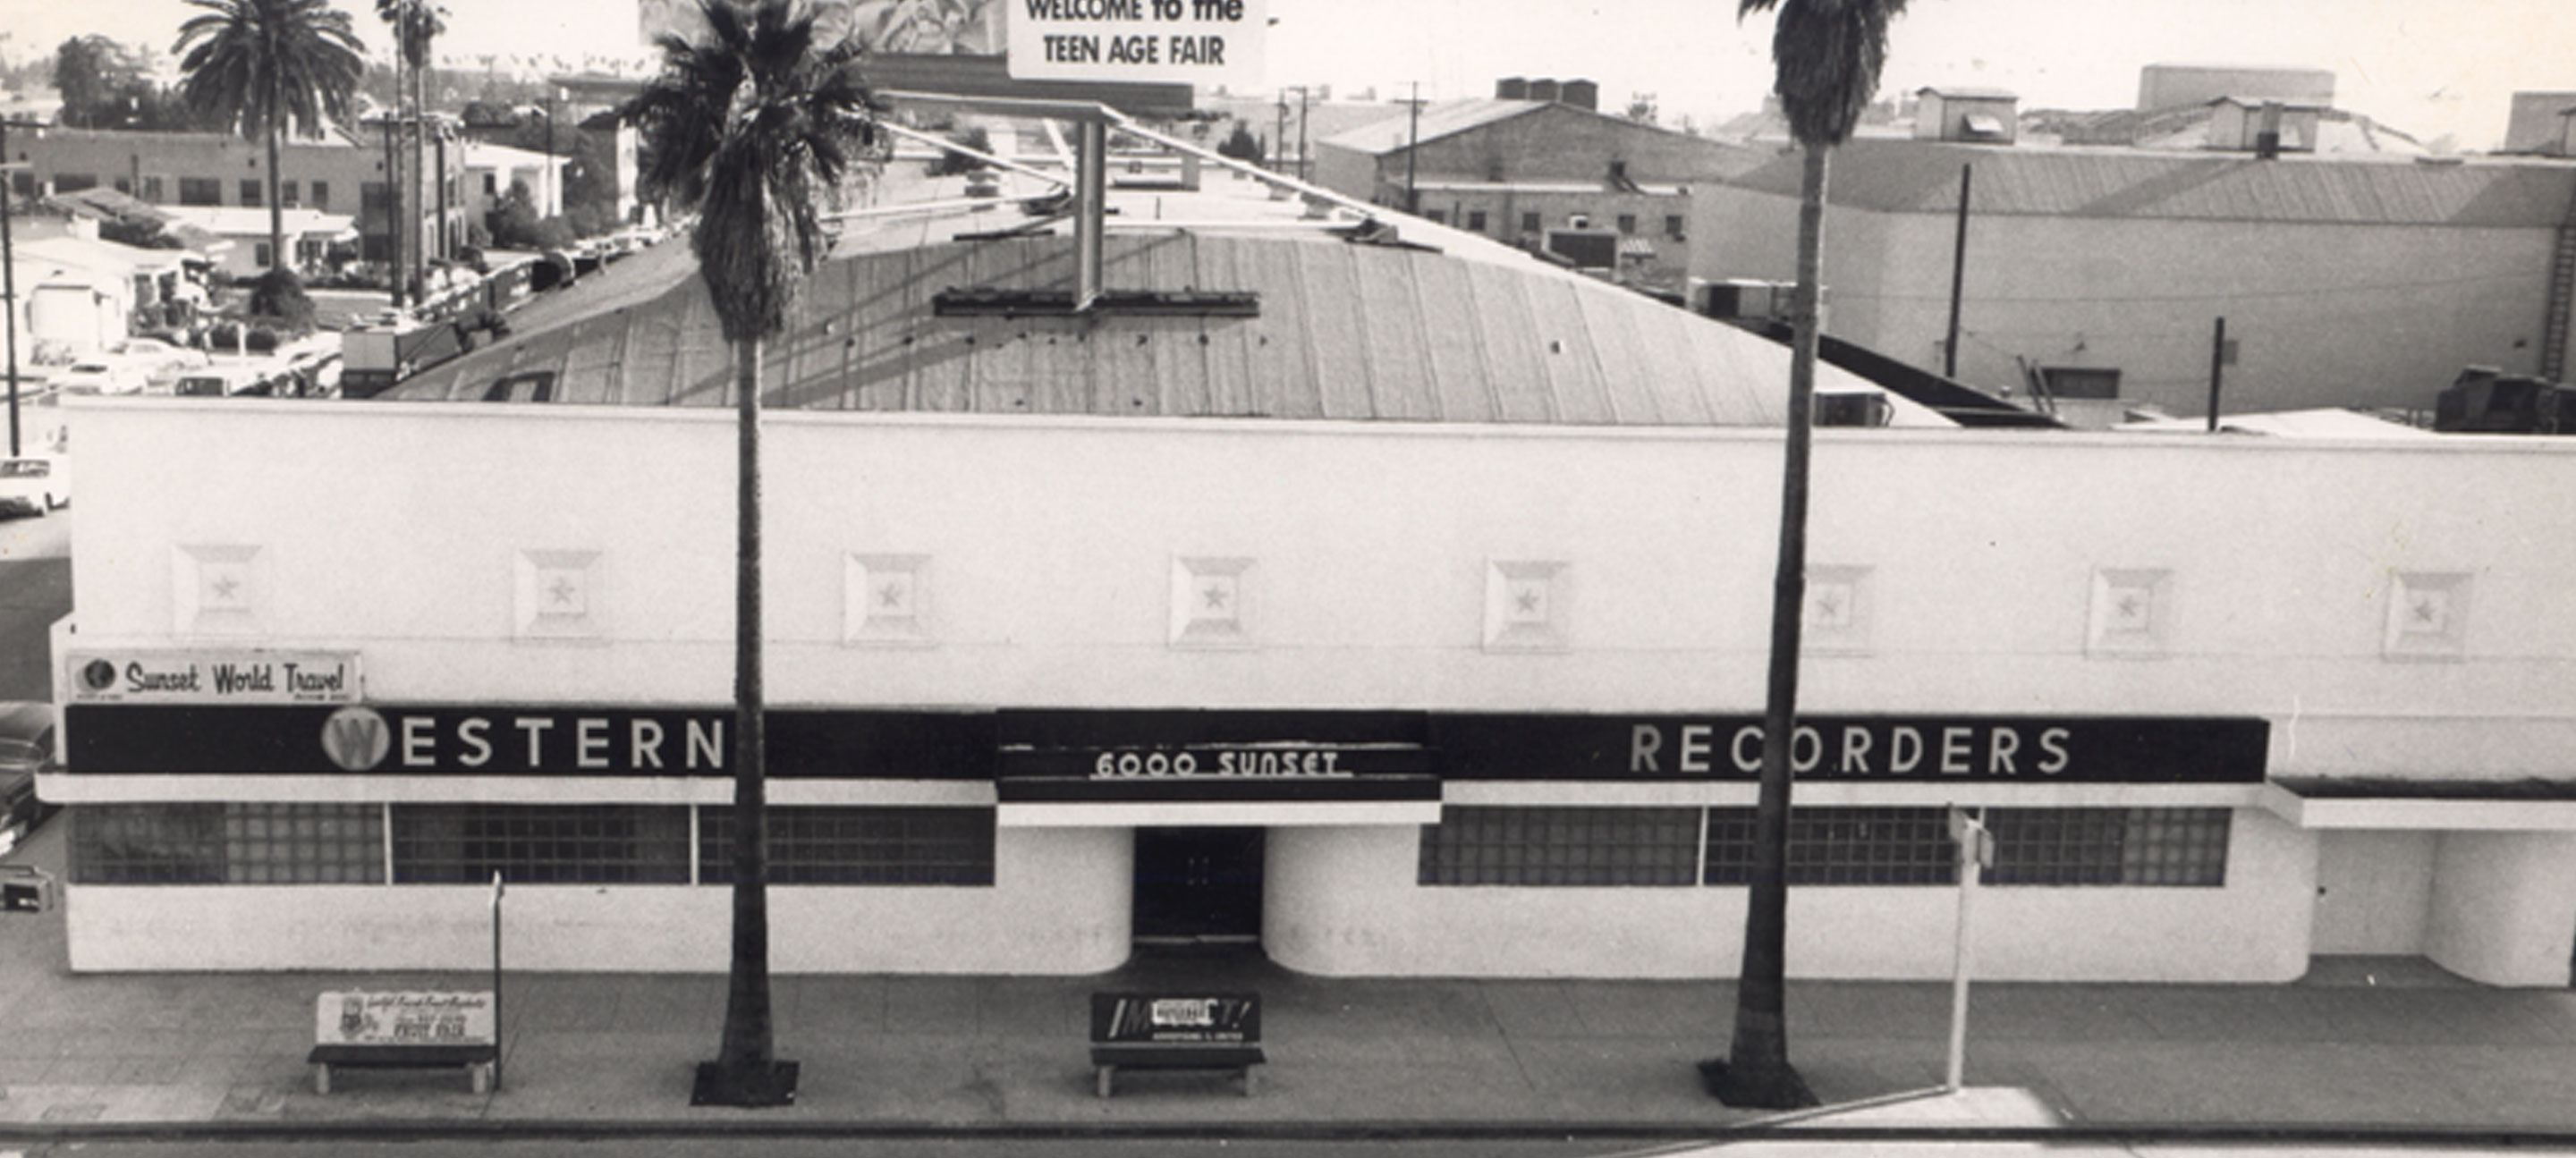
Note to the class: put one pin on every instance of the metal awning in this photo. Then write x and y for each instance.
(2529, 804)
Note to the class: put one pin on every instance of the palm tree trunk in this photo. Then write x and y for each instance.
(276, 213)
(394, 177)
(746, 1071)
(420, 171)
(1757, 1070)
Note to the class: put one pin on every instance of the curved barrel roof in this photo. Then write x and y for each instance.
(1470, 331)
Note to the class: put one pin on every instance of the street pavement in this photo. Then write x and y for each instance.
(2361, 1045)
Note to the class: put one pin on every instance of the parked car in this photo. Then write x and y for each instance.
(159, 358)
(100, 376)
(26, 746)
(35, 484)
(220, 382)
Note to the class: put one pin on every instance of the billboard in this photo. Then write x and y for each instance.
(1140, 55)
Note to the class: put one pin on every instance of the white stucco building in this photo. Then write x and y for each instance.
(1400, 610)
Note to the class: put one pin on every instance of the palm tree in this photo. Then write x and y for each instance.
(1827, 54)
(753, 126)
(267, 65)
(416, 23)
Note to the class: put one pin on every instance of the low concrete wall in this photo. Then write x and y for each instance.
(1342, 901)
(1059, 906)
(2504, 907)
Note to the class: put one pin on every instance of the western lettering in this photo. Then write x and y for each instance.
(419, 743)
(644, 744)
(472, 733)
(1954, 751)
(352, 739)
(590, 742)
(708, 739)
(1745, 763)
(535, 727)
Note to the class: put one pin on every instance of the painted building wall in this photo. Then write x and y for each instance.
(2321, 314)
(1049, 547)
(1047, 552)
(1560, 143)
(2374, 891)
(2502, 907)
(1057, 905)
(1343, 902)
(151, 165)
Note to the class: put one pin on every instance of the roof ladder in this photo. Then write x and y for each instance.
(2562, 299)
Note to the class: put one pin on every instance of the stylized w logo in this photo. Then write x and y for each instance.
(355, 738)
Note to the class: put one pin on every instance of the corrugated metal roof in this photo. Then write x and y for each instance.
(1923, 177)
(1439, 119)
(1471, 332)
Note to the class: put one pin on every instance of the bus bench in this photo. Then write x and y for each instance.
(405, 1031)
(1166, 1031)
(476, 1060)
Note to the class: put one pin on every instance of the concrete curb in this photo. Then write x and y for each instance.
(388, 1130)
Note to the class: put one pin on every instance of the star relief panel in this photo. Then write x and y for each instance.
(1210, 602)
(1836, 614)
(215, 589)
(1527, 602)
(885, 600)
(2132, 612)
(556, 595)
(2428, 615)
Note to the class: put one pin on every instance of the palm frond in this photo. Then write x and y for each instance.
(1827, 55)
(754, 126)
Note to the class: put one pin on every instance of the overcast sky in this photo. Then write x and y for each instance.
(2427, 68)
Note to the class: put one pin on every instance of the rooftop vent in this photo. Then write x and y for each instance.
(2264, 128)
(1977, 115)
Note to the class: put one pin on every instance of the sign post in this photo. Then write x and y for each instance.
(1976, 849)
(499, 1046)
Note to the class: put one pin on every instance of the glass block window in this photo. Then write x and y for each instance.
(304, 844)
(239, 843)
(1840, 846)
(1481, 845)
(2185, 847)
(541, 844)
(147, 844)
(858, 846)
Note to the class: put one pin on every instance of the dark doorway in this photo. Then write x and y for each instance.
(1198, 885)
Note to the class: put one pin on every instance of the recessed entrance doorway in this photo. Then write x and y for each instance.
(1198, 886)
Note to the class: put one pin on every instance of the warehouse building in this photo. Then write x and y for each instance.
(1395, 605)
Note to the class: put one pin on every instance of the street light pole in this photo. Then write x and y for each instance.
(9, 277)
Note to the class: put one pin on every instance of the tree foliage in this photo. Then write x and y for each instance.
(292, 64)
(952, 162)
(1242, 145)
(108, 85)
(755, 126)
(1826, 55)
(262, 67)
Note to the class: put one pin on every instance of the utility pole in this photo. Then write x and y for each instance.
(1958, 279)
(1412, 143)
(393, 214)
(2217, 370)
(1279, 137)
(9, 277)
(1305, 163)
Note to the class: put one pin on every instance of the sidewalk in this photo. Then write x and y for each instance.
(2396, 1044)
